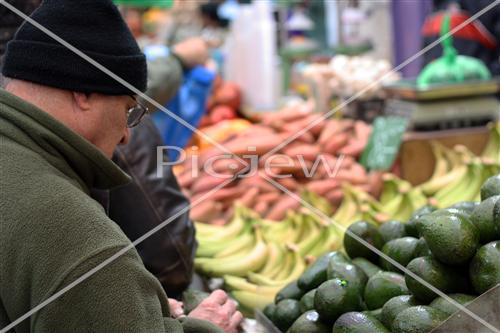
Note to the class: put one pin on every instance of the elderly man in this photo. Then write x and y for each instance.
(60, 121)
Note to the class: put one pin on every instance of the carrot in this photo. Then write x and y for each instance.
(278, 211)
(207, 182)
(323, 186)
(205, 211)
(308, 152)
(336, 142)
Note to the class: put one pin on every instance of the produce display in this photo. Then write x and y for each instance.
(346, 76)
(258, 257)
(455, 249)
(320, 160)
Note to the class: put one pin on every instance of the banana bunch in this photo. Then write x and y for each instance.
(399, 199)
(358, 205)
(458, 175)
(258, 257)
(492, 149)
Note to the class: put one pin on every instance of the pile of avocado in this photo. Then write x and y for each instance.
(456, 250)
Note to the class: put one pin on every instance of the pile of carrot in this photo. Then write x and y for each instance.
(333, 144)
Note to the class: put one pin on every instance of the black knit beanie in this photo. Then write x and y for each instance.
(94, 27)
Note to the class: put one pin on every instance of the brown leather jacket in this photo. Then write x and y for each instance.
(147, 202)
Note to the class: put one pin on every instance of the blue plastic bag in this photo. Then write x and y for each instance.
(189, 104)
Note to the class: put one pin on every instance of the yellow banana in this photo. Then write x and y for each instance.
(243, 244)
(237, 265)
(276, 257)
(252, 300)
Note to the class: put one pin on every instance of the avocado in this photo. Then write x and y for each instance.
(490, 187)
(291, 291)
(358, 322)
(452, 238)
(335, 297)
(307, 301)
(411, 226)
(466, 206)
(444, 305)
(316, 273)
(422, 248)
(367, 232)
(394, 306)
(285, 314)
(382, 287)
(447, 279)
(391, 230)
(309, 322)
(418, 319)
(402, 250)
(496, 217)
(191, 298)
(484, 269)
(482, 217)
(269, 311)
(366, 266)
(349, 273)
(377, 314)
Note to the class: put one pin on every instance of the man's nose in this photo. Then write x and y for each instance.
(126, 136)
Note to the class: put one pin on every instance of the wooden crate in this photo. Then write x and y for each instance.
(416, 158)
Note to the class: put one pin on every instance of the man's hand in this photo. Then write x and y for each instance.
(219, 310)
(192, 51)
(176, 308)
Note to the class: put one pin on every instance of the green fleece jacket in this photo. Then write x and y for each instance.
(52, 232)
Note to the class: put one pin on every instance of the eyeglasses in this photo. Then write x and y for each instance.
(135, 114)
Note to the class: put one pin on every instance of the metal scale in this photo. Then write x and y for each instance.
(444, 106)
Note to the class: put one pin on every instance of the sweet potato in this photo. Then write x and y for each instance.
(308, 152)
(278, 211)
(336, 142)
(353, 148)
(269, 197)
(330, 128)
(205, 211)
(290, 136)
(351, 176)
(249, 197)
(375, 183)
(185, 179)
(289, 183)
(285, 115)
(261, 208)
(207, 182)
(257, 181)
(335, 196)
(362, 130)
(226, 166)
(324, 186)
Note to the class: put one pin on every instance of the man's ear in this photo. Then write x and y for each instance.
(82, 100)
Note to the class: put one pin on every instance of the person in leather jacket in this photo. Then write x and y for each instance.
(147, 201)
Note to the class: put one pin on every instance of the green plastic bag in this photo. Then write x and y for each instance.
(145, 3)
(451, 67)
